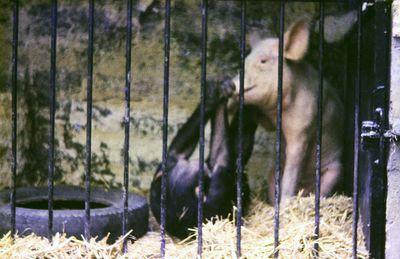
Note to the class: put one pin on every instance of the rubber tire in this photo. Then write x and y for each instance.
(102, 220)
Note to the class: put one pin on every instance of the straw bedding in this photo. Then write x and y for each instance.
(219, 237)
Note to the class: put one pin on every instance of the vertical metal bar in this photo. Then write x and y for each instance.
(50, 183)
(278, 146)
(165, 124)
(239, 162)
(89, 119)
(319, 128)
(128, 78)
(14, 113)
(381, 84)
(202, 122)
(357, 93)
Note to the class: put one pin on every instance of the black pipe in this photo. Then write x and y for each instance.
(165, 124)
(357, 92)
(204, 13)
(319, 127)
(239, 162)
(89, 119)
(128, 78)
(14, 113)
(278, 145)
(53, 54)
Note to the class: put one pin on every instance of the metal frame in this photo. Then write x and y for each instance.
(373, 133)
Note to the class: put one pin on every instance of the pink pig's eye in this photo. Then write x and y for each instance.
(263, 61)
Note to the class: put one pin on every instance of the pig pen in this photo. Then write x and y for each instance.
(297, 221)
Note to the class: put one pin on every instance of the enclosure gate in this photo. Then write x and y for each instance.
(368, 86)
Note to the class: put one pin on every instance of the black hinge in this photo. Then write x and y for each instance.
(372, 131)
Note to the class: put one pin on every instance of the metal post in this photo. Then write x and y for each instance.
(278, 146)
(239, 162)
(204, 9)
(357, 92)
(127, 119)
(319, 128)
(89, 118)
(50, 182)
(14, 85)
(165, 125)
(382, 29)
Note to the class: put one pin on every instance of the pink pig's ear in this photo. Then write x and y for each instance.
(296, 40)
(254, 38)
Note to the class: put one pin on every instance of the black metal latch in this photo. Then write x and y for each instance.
(372, 131)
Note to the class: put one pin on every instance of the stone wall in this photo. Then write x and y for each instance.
(393, 191)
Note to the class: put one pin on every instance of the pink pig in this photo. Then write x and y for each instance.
(299, 108)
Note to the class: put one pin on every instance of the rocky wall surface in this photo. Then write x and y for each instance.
(393, 167)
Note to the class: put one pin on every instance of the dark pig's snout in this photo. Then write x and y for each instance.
(227, 88)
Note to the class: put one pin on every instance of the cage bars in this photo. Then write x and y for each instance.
(14, 86)
(278, 144)
(319, 127)
(239, 162)
(357, 92)
(52, 95)
(204, 14)
(127, 118)
(88, 154)
(165, 124)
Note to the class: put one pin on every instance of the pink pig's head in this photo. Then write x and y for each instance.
(261, 65)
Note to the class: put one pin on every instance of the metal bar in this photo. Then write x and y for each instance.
(128, 78)
(239, 162)
(50, 183)
(382, 31)
(14, 113)
(278, 146)
(165, 124)
(319, 128)
(357, 92)
(204, 13)
(89, 119)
